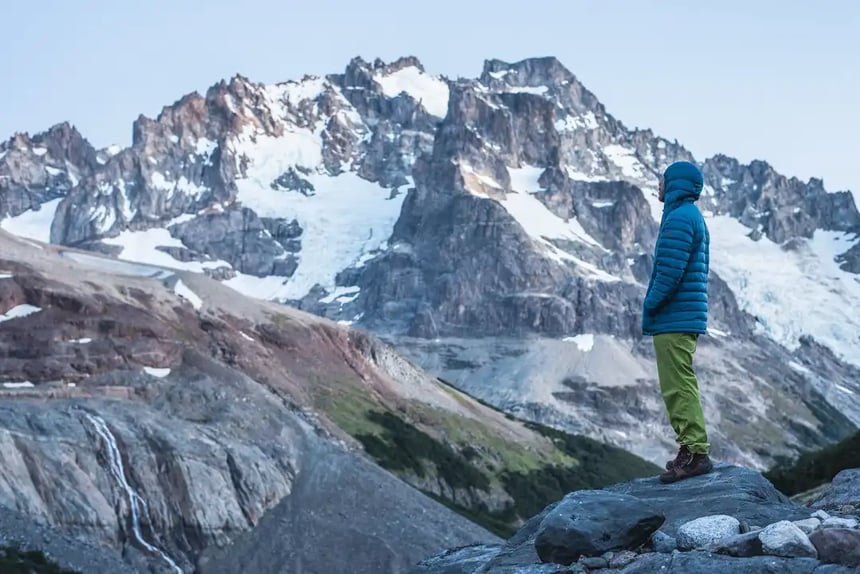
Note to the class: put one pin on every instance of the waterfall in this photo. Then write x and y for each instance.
(135, 501)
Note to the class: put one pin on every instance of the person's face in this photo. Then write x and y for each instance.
(661, 191)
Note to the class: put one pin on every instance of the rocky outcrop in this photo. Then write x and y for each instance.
(706, 522)
(38, 169)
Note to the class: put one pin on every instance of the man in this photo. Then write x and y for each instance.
(675, 313)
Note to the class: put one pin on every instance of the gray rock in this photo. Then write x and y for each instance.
(663, 543)
(594, 562)
(837, 546)
(707, 563)
(820, 515)
(706, 530)
(808, 525)
(839, 522)
(844, 491)
(590, 523)
(741, 545)
(733, 491)
(622, 559)
(785, 539)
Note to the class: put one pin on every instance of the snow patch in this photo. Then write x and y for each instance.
(40, 151)
(6, 276)
(140, 247)
(717, 333)
(184, 292)
(534, 217)
(246, 336)
(52, 171)
(573, 122)
(791, 292)
(112, 150)
(307, 89)
(35, 225)
(799, 368)
(84, 341)
(347, 218)
(584, 342)
(20, 385)
(630, 165)
(500, 74)
(342, 295)
(157, 372)
(432, 92)
(19, 311)
(534, 90)
(601, 204)
(577, 175)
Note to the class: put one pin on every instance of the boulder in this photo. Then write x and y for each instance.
(739, 545)
(730, 490)
(707, 530)
(837, 546)
(844, 491)
(838, 522)
(663, 543)
(591, 522)
(784, 538)
(808, 525)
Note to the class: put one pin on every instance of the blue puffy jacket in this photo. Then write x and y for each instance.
(677, 297)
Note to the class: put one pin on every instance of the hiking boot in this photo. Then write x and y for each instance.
(691, 465)
(683, 453)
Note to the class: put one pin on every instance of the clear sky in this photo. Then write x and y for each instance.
(757, 79)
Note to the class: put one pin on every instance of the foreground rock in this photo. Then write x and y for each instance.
(589, 523)
(704, 513)
(843, 494)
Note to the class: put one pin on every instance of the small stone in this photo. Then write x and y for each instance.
(739, 546)
(820, 515)
(808, 525)
(594, 562)
(706, 530)
(663, 543)
(622, 559)
(836, 522)
(786, 539)
(608, 555)
(745, 527)
(837, 546)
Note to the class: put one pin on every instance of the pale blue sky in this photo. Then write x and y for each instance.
(756, 79)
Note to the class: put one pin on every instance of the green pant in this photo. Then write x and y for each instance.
(680, 389)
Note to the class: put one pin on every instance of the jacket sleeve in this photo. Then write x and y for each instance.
(674, 246)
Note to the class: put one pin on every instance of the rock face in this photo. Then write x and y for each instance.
(779, 545)
(497, 230)
(590, 523)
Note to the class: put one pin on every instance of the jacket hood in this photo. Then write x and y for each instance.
(682, 183)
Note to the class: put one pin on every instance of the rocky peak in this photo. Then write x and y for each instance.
(774, 205)
(43, 167)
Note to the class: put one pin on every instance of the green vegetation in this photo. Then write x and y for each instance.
(599, 465)
(13, 560)
(419, 441)
(815, 468)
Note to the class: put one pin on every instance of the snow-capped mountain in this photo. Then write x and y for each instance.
(498, 230)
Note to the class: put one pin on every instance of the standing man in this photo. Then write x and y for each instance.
(675, 313)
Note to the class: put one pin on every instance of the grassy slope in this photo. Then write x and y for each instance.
(815, 468)
(424, 444)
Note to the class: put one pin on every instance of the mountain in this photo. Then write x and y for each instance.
(498, 231)
(158, 414)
